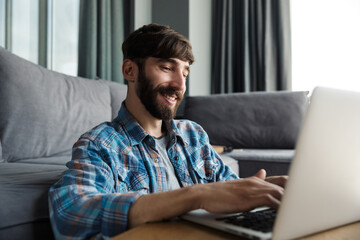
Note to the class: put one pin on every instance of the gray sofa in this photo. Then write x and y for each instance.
(258, 129)
(42, 114)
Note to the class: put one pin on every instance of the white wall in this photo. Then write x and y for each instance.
(325, 44)
(200, 38)
(142, 13)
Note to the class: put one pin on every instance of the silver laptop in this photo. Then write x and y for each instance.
(323, 190)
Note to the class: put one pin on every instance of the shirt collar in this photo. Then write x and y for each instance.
(174, 131)
(136, 133)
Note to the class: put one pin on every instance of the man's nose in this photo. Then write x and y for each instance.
(179, 81)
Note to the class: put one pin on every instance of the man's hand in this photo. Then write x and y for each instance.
(278, 180)
(220, 197)
(242, 195)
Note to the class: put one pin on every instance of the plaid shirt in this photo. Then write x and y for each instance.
(117, 162)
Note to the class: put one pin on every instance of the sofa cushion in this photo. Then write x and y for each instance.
(35, 230)
(23, 192)
(250, 120)
(118, 95)
(274, 161)
(42, 112)
(55, 160)
(266, 155)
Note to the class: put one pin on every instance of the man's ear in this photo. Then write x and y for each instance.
(130, 70)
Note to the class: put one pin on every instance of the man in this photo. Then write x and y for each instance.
(144, 166)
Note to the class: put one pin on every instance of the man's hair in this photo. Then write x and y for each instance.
(158, 41)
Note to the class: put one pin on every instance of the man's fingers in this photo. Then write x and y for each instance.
(270, 201)
(261, 174)
(278, 180)
(269, 198)
(277, 193)
(241, 195)
(262, 193)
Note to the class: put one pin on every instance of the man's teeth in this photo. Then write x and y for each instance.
(170, 98)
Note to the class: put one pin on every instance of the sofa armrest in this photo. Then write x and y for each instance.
(250, 161)
(265, 120)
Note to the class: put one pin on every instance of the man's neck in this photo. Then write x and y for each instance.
(151, 124)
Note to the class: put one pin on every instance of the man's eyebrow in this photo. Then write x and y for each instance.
(169, 60)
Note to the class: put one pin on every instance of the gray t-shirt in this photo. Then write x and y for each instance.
(161, 146)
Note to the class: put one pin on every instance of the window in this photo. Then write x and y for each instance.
(25, 31)
(61, 33)
(65, 36)
(2, 22)
(325, 44)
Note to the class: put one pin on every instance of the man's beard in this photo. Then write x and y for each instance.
(148, 96)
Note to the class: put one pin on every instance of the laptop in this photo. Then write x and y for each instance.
(323, 189)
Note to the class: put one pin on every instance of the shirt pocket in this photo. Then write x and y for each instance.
(130, 181)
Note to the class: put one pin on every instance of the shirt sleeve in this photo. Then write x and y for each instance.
(89, 199)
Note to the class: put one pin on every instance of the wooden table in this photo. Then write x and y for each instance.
(183, 230)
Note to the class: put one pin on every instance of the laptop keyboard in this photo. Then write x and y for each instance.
(262, 221)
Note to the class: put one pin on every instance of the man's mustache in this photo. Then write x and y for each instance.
(170, 91)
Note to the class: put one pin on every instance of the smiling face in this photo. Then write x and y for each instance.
(161, 86)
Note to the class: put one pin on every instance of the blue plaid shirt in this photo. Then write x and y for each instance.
(117, 162)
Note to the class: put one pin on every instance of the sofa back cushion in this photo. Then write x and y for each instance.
(42, 112)
(118, 94)
(267, 120)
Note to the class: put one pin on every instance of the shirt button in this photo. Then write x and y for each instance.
(176, 158)
(129, 189)
(156, 160)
